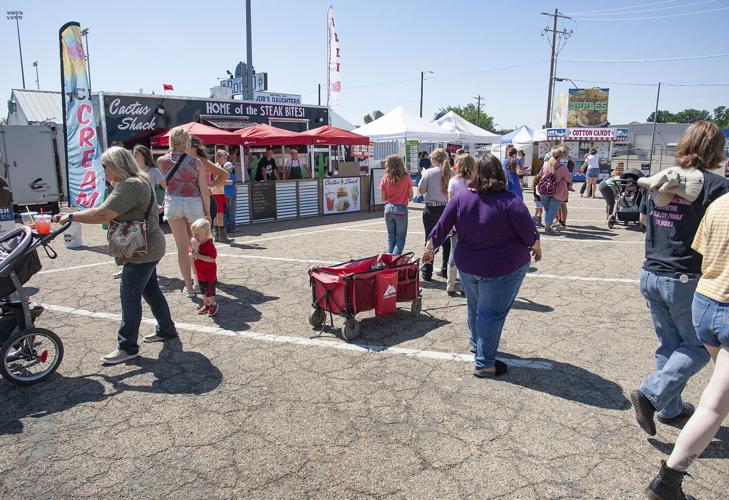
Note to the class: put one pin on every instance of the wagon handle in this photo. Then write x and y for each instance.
(409, 255)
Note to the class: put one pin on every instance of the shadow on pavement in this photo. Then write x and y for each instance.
(56, 394)
(529, 305)
(176, 372)
(718, 448)
(568, 382)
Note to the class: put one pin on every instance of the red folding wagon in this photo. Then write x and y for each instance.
(349, 288)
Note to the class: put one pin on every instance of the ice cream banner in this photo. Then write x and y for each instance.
(83, 149)
(341, 195)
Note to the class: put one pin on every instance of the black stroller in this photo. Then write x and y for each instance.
(27, 354)
(627, 203)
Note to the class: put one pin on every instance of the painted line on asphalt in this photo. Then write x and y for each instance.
(84, 266)
(307, 342)
(529, 275)
(318, 231)
(564, 239)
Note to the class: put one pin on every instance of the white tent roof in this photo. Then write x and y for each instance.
(467, 131)
(400, 124)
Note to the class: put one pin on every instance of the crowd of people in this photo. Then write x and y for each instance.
(474, 213)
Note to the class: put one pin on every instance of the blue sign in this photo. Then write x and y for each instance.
(556, 134)
(7, 214)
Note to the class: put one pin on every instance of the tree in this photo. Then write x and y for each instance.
(663, 117)
(721, 116)
(470, 112)
(370, 117)
(692, 115)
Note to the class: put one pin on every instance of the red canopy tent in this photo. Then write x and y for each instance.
(206, 133)
(266, 135)
(334, 136)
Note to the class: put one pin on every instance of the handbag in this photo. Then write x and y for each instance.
(129, 238)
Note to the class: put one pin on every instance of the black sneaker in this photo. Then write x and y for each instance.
(443, 273)
(644, 411)
(426, 277)
(667, 485)
(686, 412)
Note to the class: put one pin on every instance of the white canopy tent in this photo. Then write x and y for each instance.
(523, 139)
(466, 131)
(401, 125)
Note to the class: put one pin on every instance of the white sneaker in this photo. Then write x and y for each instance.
(117, 275)
(117, 356)
(189, 292)
(196, 286)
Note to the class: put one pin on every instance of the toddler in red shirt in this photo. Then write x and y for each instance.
(203, 255)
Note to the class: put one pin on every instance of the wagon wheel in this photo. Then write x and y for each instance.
(317, 316)
(350, 330)
(416, 306)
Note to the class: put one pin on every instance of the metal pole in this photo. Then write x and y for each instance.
(422, 76)
(319, 91)
(548, 122)
(20, 49)
(655, 120)
(37, 82)
(85, 32)
(249, 53)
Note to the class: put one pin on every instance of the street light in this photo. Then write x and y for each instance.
(37, 84)
(85, 33)
(422, 77)
(17, 15)
(566, 80)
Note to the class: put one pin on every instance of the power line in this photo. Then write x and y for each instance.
(636, 61)
(681, 6)
(654, 17)
(665, 84)
(588, 12)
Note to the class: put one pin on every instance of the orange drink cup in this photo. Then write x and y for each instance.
(43, 224)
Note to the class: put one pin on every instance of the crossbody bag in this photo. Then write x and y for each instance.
(129, 238)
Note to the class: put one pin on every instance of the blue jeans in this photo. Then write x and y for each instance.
(551, 207)
(680, 353)
(711, 320)
(396, 220)
(489, 301)
(229, 215)
(137, 281)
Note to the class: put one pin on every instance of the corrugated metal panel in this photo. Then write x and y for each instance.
(308, 198)
(242, 213)
(286, 200)
(39, 105)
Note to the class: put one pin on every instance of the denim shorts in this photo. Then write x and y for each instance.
(177, 207)
(593, 172)
(711, 320)
(538, 203)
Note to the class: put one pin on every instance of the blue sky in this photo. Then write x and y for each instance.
(385, 44)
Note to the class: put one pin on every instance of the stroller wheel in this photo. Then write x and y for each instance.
(611, 223)
(350, 330)
(317, 316)
(30, 356)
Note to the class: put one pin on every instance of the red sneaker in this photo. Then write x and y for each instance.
(212, 310)
(203, 310)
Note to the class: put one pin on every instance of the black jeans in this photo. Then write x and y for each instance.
(137, 281)
(430, 219)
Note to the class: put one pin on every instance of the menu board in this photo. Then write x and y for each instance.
(341, 195)
(377, 176)
(411, 156)
(263, 201)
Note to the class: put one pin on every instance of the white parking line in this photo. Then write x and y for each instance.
(307, 342)
(563, 239)
(529, 275)
(49, 271)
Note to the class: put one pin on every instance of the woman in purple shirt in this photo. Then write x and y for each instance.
(496, 234)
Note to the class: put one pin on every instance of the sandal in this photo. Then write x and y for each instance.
(500, 368)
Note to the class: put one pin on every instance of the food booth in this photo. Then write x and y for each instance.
(580, 141)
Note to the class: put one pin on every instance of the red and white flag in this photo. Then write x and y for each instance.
(168, 86)
(334, 87)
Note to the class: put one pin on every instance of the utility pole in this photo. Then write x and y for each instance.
(478, 110)
(319, 91)
(655, 120)
(85, 33)
(17, 15)
(249, 53)
(422, 77)
(37, 81)
(563, 35)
